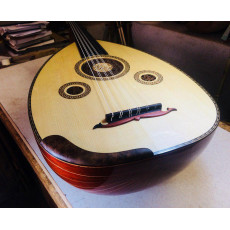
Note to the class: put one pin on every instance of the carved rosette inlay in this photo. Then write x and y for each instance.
(148, 77)
(74, 90)
(101, 68)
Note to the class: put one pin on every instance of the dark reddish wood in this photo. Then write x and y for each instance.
(121, 172)
(136, 118)
(128, 177)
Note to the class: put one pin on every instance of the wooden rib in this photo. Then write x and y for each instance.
(92, 181)
(42, 173)
(89, 171)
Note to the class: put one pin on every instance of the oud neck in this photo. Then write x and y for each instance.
(86, 44)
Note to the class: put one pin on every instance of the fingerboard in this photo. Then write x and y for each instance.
(86, 44)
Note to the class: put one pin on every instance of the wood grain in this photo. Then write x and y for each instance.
(225, 125)
(109, 161)
(125, 178)
(54, 115)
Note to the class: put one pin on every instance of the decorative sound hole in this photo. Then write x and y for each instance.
(74, 90)
(148, 77)
(103, 67)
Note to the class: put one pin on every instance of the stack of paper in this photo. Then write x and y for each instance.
(23, 38)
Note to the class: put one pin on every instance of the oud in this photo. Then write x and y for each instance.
(111, 119)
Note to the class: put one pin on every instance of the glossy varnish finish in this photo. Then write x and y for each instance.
(131, 156)
(126, 178)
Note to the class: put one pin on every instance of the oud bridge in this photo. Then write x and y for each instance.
(124, 116)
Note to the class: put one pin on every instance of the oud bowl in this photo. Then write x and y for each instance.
(126, 178)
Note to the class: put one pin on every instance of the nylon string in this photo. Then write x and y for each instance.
(70, 23)
(127, 91)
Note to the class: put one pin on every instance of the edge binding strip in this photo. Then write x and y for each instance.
(38, 138)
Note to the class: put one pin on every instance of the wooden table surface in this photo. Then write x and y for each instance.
(204, 183)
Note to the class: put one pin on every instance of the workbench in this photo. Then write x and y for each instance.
(204, 183)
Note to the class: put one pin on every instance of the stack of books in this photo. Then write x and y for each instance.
(23, 38)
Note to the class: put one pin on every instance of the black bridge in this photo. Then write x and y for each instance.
(117, 116)
(124, 116)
